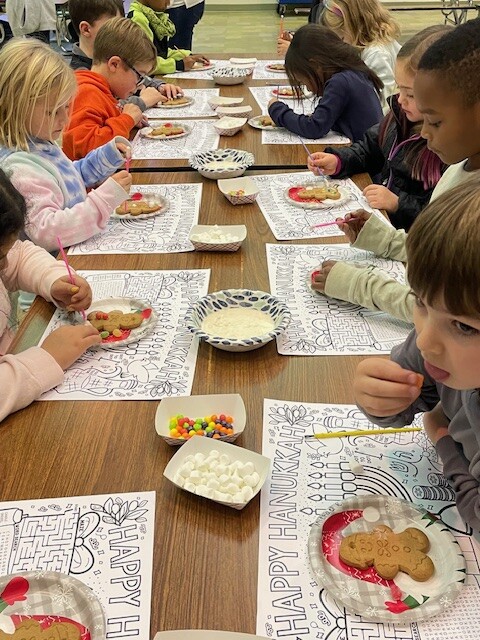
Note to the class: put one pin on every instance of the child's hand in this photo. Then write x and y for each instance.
(169, 91)
(435, 423)
(133, 111)
(189, 61)
(319, 277)
(125, 149)
(124, 179)
(67, 344)
(327, 162)
(381, 198)
(282, 47)
(73, 297)
(382, 388)
(356, 221)
(151, 96)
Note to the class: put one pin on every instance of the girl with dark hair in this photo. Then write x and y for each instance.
(347, 90)
(394, 150)
(23, 265)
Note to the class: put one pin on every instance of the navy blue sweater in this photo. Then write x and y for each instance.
(349, 105)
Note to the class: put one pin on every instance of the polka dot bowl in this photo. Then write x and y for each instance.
(222, 163)
(238, 298)
(230, 75)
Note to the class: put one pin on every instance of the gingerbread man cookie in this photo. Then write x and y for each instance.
(136, 207)
(171, 102)
(31, 630)
(319, 193)
(389, 552)
(113, 322)
(166, 130)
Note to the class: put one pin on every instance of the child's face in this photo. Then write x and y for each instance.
(452, 130)
(48, 120)
(5, 247)
(449, 344)
(125, 79)
(404, 81)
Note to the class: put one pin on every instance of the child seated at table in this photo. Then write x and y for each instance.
(87, 16)
(25, 376)
(367, 25)
(37, 90)
(393, 153)
(346, 90)
(444, 347)
(447, 94)
(150, 15)
(122, 56)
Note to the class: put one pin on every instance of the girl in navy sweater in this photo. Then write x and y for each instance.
(347, 90)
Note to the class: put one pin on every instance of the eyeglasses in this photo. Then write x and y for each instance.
(140, 76)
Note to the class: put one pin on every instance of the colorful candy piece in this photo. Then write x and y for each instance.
(183, 427)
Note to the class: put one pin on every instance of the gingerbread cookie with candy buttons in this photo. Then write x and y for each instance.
(389, 552)
(31, 629)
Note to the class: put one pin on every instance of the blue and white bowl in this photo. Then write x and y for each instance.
(230, 75)
(222, 163)
(232, 298)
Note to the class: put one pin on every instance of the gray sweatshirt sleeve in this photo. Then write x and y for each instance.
(466, 487)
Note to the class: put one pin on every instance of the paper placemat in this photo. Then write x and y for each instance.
(326, 326)
(290, 222)
(199, 108)
(164, 233)
(94, 539)
(283, 136)
(203, 137)
(140, 370)
(305, 479)
(263, 95)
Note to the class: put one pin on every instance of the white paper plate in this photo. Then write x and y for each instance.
(344, 197)
(303, 96)
(162, 105)
(402, 600)
(268, 67)
(197, 634)
(56, 594)
(255, 123)
(146, 132)
(201, 67)
(160, 200)
(127, 305)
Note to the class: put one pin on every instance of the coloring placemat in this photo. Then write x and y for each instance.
(201, 74)
(166, 233)
(263, 95)
(282, 136)
(307, 477)
(262, 73)
(159, 365)
(290, 222)
(203, 137)
(198, 109)
(327, 326)
(106, 541)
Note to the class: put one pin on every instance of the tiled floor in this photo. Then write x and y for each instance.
(256, 31)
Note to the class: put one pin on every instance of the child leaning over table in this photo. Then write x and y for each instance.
(25, 376)
(444, 347)
(151, 17)
(122, 56)
(87, 16)
(447, 94)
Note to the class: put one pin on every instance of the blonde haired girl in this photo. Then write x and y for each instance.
(366, 24)
(37, 89)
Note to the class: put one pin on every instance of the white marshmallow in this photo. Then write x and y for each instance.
(196, 477)
(224, 459)
(250, 481)
(213, 484)
(189, 486)
(247, 493)
(199, 458)
(223, 479)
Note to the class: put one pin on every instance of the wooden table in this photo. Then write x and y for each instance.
(203, 551)
(248, 139)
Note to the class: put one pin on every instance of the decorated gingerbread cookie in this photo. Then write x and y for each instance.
(175, 102)
(167, 130)
(32, 629)
(319, 193)
(389, 552)
(137, 208)
(115, 322)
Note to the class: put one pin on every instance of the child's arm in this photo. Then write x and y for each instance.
(365, 155)
(24, 377)
(381, 238)
(47, 215)
(101, 163)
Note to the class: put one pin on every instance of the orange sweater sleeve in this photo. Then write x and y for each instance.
(95, 120)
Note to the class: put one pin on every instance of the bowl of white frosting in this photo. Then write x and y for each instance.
(238, 319)
(222, 163)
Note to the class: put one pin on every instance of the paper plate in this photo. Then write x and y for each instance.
(256, 124)
(201, 67)
(197, 634)
(50, 596)
(271, 68)
(146, 132)
(403, 599)
(309, 204)
(126, 305)
(302, 96)
(160, 200)
(162, 105)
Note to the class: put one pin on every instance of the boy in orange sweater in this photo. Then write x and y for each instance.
(122, 56)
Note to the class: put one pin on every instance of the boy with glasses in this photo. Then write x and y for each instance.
(122, 57)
